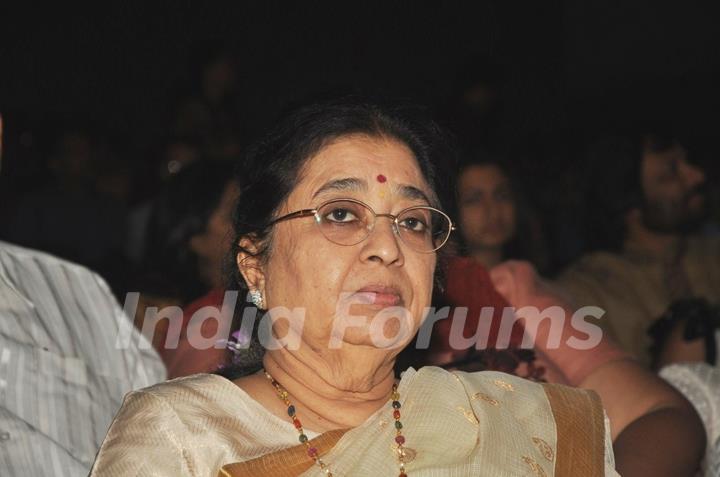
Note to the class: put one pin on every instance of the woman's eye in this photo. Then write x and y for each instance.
(413, 224)
(340, 215)
(503, 194)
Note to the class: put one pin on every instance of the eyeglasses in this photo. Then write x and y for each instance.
(349, 222)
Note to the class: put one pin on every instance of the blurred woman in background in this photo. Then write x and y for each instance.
(187, 238)
(495, 223)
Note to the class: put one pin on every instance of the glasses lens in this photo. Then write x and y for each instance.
(424, 229)
(344, 222)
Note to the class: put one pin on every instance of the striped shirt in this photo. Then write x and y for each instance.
(62, 377)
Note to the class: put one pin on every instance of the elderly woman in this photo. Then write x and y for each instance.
(340, 217)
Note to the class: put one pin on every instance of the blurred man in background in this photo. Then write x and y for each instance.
(646, 202)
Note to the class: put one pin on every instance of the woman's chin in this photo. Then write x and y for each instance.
(363, 338)
(386, 335)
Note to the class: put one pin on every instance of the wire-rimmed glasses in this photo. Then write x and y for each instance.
(423, 228)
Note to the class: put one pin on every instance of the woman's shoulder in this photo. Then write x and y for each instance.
(480, 381)
(495, 387)
(188, 392)
(188, 425)
(206, 383)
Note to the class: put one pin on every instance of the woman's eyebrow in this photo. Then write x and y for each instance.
(347, 184)
(412, 193)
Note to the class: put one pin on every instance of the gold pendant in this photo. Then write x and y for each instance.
(404, 455)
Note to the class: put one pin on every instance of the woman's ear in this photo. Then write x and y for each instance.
(250, 264)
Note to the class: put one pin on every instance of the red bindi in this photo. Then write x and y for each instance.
(381, 178)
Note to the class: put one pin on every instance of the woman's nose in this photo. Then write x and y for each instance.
(491, 210)
(383, 243)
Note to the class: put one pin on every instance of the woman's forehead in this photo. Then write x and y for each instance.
(371, 162)
(481, 174)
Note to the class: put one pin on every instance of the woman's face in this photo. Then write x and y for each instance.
(486, 207)
(304, 269)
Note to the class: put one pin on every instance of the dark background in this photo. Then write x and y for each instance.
(567, 64)
(563, 71)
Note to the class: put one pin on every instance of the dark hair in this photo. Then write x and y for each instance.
(181, 211)
(613, 184)
(273, 165)
(697, 318)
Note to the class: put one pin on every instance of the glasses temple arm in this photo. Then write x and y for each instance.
(292, 215)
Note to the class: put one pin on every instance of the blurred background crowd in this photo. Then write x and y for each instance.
(123, 125)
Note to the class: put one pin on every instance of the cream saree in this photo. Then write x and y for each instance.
(458, 424)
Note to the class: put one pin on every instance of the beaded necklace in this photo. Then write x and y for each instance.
(312, 452)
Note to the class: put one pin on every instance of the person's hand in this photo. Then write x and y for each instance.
(677, 349)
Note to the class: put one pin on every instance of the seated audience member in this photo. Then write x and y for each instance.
(188, 239)
(489, 220)
(62, 374)
(684, 350)
(189, 230)
(341, 207)
(211, 246)
(645, 202)
(494, 224)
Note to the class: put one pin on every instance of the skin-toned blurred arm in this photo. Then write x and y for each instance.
(655, 430)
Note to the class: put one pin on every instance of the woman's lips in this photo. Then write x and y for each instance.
(379, 296)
